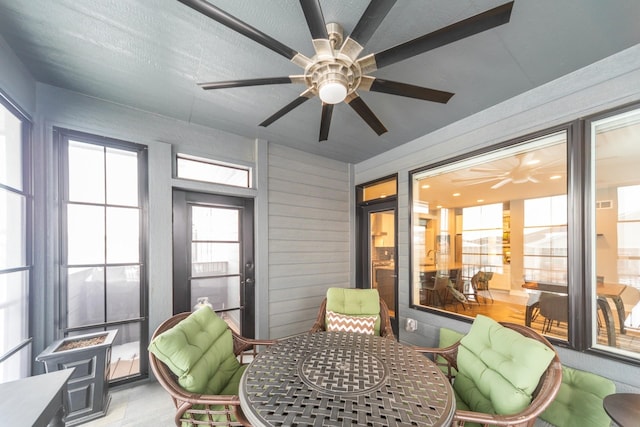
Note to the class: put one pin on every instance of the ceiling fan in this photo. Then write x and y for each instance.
(336, 72)
(526, 169)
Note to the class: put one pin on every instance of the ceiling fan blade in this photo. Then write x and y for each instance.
(476, 24)
(248, 82)
(241, 27)
(407, 90)
(501, 183)
(365, 112)
(315, 19)
(366, 27)
(325, 121)
(371, 20)
(284, 110)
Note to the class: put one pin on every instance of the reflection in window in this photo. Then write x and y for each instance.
(503, 216)
(616, 192)
(545, 240)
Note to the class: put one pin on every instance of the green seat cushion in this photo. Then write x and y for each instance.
(447, 338)
(355, 302)
(579, 400)
(199, 351)
(498, 368)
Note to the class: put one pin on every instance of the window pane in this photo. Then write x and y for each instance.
(216, 224)
(13, 228)
(14, 309)
(617, 232)
(10, 149)
(125, 352)
(86, 172)
(504, 216)
(122, 177)
(209, 259)
(123, 293)
(123, 235)
(85, 234)
(203, 170)
(17, 366)
(85, 296)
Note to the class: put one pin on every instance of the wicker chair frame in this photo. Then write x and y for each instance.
(190, 404)
(386, 331)
(543, 395)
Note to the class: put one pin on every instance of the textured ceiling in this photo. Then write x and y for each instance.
(150, 54)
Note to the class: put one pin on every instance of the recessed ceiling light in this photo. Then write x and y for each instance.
(426, 186)
(480, 200)
(439, 207)
(533, 162)
(456, 194)
(555, 177)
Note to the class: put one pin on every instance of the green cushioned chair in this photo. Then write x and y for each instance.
(579, 401)
(198, 359)
(502, 373)
(355, 302)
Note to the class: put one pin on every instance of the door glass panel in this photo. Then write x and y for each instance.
(85, 296)
(382, 256)
(616, 294)
(222, 292)
(215, 260)
(208, 259)
(217, 224)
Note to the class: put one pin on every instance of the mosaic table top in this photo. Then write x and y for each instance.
(344, 379)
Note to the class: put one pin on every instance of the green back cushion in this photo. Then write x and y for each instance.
(579, 400)
(448, 337)
(199, 351)
(499, 368)
(355, 302)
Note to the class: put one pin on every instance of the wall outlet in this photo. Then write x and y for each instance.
(412, 325)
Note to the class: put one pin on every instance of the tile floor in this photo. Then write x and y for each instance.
(146, 405)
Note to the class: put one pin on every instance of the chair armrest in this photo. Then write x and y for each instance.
(448, 354)
(243, 346)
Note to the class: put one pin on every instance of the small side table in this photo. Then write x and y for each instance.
(35, 401)
(623, 408)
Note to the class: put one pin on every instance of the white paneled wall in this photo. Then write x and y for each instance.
(309, 235)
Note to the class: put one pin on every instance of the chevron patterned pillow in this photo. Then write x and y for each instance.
(337, 322)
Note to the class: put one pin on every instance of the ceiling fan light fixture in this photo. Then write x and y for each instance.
(332, 90)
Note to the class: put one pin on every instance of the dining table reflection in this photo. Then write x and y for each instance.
(604, 293)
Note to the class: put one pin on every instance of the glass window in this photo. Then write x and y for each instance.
(616, 192)
(490, 233)
(103, 261)
(16, 203)
(199, 169)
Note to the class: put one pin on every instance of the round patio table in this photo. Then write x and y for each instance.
(623, 408)
(344, 379)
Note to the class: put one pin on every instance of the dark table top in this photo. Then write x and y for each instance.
(32, 401)
(623, 408)
(341, 379)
